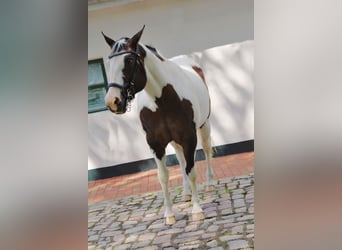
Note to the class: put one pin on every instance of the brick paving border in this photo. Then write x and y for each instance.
(136, 222)
(147, 181)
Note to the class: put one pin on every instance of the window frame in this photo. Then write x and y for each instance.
(98, 85)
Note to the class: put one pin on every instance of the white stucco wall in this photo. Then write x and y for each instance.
(175, 27)
(218, 29)
(116, 139)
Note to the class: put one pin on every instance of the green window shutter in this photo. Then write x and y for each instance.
(97, 83)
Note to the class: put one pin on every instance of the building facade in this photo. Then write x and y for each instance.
(218, 34)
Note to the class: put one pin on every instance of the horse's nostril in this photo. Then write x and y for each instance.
(117, 101)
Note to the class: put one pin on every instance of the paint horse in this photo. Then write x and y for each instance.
(173, 103)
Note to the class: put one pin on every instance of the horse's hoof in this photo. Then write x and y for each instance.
(186, 197)
(209, 188)
(197, 216)
(170, 220)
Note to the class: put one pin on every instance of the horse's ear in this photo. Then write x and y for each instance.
(109, 41)
(133, 42)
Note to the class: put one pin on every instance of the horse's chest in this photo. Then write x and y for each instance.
(171, 120)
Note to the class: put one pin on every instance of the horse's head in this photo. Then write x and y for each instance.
(127, 74)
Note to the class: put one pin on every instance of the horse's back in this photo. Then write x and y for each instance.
(185, 62)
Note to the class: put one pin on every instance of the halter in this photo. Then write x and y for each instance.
(127, 89)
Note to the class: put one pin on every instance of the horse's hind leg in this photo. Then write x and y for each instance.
(182, 163)
(163, 176)
(206, 144)
(197, 212)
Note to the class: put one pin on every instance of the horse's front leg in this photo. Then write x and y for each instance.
(163, 176)
(189, 153)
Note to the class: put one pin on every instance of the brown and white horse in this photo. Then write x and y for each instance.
(173, 102)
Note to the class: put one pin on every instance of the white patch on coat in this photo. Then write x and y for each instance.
(147, 101)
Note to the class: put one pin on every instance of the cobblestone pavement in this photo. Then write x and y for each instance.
(137, 222)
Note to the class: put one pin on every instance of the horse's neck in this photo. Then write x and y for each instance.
(157, 76)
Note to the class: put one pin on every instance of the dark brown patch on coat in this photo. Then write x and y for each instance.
(199, 71)
(173, 120)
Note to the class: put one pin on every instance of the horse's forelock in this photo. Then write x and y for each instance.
(120, 45)
(123, 45)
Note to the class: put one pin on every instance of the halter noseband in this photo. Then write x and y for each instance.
(127, 89)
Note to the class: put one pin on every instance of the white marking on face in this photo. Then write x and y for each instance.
(115, 75)
(116, 65)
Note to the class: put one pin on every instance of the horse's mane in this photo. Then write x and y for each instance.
(155, 52)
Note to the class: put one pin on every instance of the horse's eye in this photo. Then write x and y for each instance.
(130, 60)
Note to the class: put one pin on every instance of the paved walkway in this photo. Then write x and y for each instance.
(117, 219)
(136, 222)
(143, 182)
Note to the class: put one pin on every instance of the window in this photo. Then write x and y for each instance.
(97, 84)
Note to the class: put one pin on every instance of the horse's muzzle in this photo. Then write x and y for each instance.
(121, 107)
